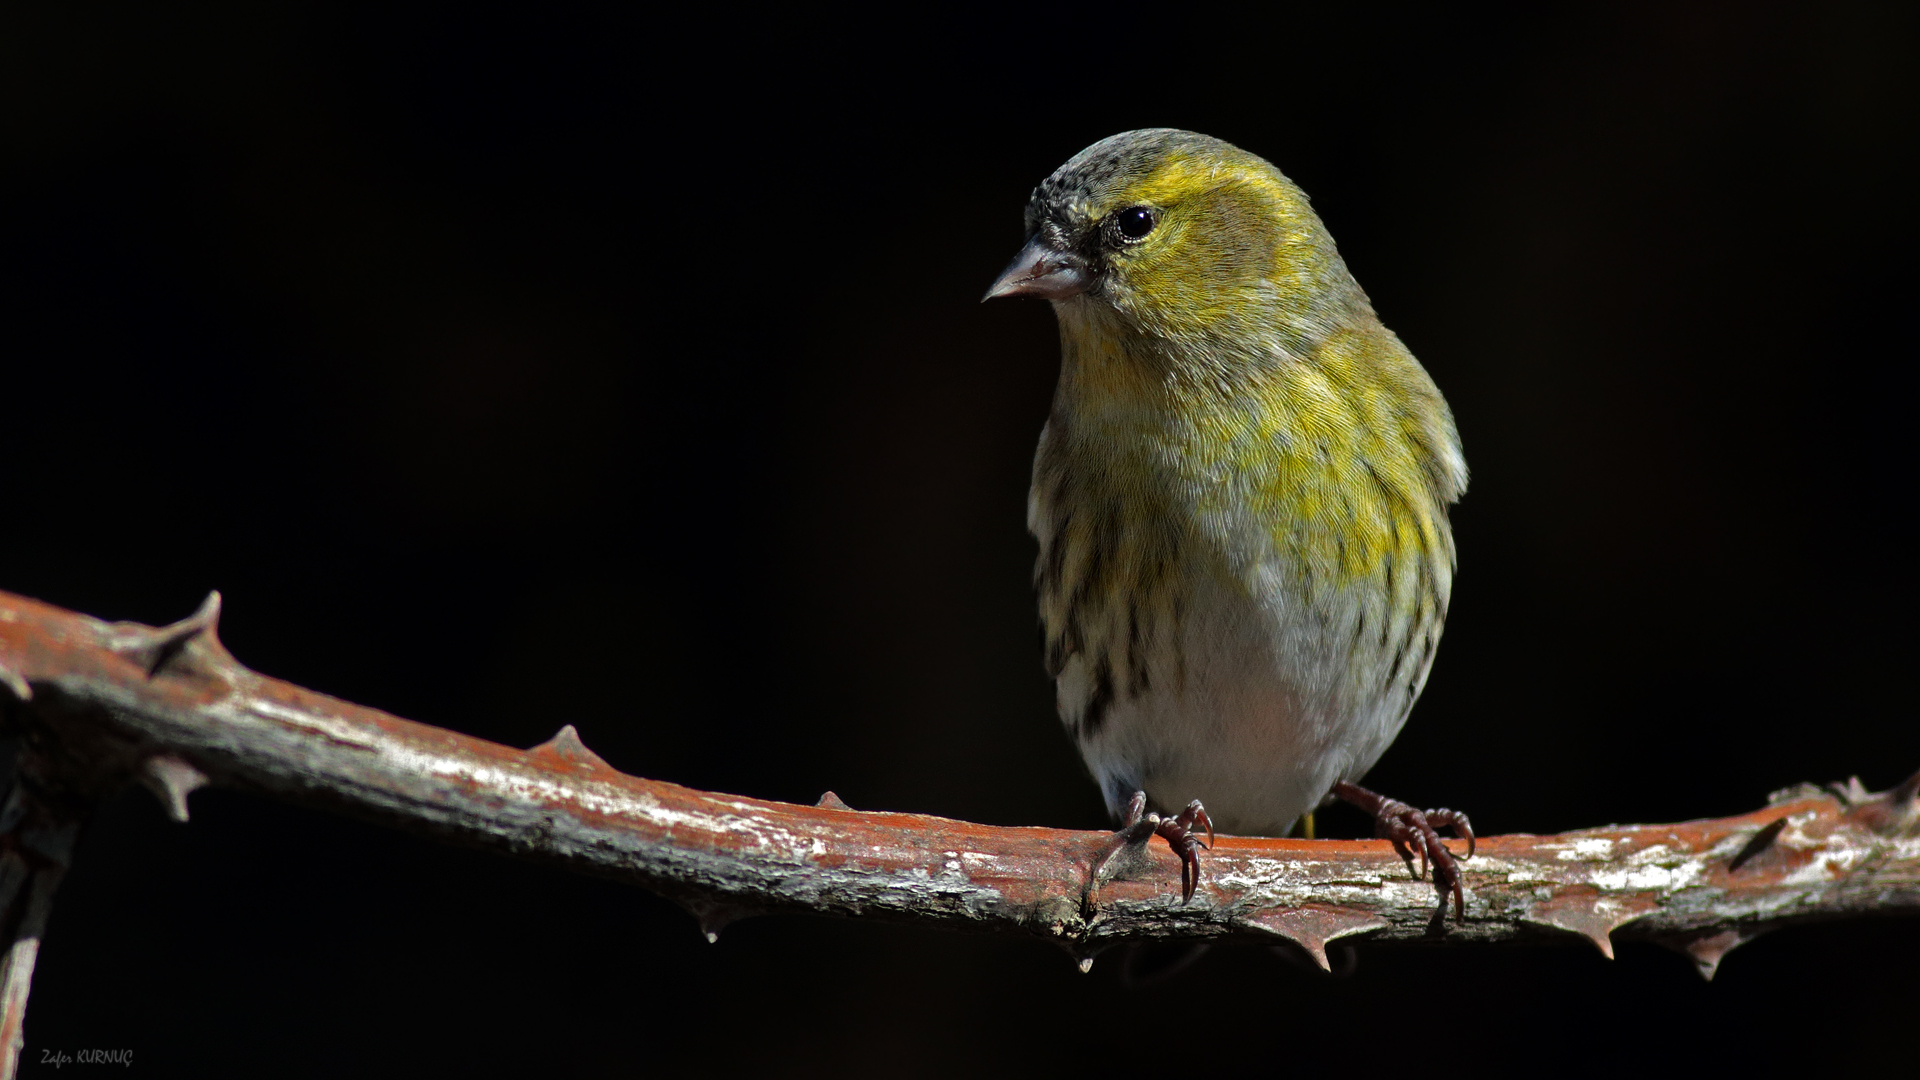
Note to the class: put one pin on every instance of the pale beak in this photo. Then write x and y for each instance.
(1042, 270)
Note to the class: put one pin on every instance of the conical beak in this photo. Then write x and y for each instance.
(1042, 270)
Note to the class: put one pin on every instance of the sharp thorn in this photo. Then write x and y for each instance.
(1706, 950)
(567, 749)
(1311, 928)
(1588, 919)
(154, 647)
(172, 779)
(1889, 813)
(11, 679)
(1318, 951)
(713, 918)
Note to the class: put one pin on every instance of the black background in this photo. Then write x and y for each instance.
(507, 368)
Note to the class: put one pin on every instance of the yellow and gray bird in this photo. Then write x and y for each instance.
(1240, 496)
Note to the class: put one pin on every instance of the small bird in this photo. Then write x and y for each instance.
(1240, 497)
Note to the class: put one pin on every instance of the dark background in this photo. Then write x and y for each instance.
(510, 369)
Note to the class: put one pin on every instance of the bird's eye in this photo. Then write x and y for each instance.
(1133, 223)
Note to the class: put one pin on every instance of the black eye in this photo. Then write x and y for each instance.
(1133, 223)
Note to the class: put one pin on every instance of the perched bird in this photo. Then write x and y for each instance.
(1240, 496)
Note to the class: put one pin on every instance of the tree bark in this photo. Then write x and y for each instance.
(90, 706)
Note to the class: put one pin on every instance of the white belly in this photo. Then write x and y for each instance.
(1267, 701)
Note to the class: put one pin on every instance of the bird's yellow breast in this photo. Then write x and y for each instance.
(1321, 455)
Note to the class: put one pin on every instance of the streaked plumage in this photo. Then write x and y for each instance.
(1241, 491)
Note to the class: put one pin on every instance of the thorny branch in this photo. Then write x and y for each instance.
(90, 705)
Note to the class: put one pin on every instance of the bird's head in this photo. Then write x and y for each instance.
(1183, 236)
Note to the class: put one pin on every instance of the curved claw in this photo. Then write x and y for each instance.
(1396, 833)
(1456, 821)
(1186, 845)
(1139, 826)
(1411, 830)
(1197, 814)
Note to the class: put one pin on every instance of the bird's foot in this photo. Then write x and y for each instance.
(1415, 831)
(1141, 826)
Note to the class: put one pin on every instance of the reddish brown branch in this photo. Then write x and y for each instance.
(98, 704)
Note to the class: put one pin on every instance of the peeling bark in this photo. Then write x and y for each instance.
(94, 705)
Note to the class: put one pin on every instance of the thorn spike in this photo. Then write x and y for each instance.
(831, 801)
(1318, 950)
(207, 615)
(1591, 916)
(11, 679)
(1706, 950)
(153, 648)
(714, 917)
(172, 779)
(1890, 813)
(1311, 927)
(566, 748)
